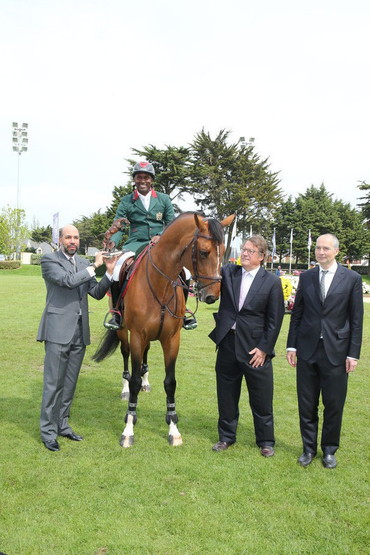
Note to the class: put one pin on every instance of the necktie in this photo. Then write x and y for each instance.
(322, 284)
(244, 288)
(72, 261)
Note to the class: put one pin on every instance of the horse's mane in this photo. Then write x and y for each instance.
(216, 230)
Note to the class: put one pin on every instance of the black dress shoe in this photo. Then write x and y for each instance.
(52, 445)
(306, 458)
(222, 445)
(267, 451)
(73, 436)
(329, 461)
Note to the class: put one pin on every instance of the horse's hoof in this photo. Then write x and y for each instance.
(125, 396)
(174, 441)
(126, 441)
(146, 388)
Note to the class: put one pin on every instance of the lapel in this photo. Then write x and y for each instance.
(337, 280)
(65, 262)
(236, 281)
(315, 277)
(256, 285)
(136, 201)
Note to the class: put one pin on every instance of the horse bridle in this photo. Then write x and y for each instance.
(176, 283)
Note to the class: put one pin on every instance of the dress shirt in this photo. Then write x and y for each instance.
(247, 280)
(145, 199)
(328, 276)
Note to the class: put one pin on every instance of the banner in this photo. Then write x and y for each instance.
(291, 235)
(55, 233)
(309, 242)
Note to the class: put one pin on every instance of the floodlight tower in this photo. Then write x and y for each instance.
(20, 144)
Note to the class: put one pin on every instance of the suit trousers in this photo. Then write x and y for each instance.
(229, 376)
(314, 376)
(62, 366)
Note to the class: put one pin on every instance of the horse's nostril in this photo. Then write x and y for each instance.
(210, 299)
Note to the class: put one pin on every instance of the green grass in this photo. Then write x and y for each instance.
(94, 497)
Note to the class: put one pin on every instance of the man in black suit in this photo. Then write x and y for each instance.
(247, 326)
(324, 342)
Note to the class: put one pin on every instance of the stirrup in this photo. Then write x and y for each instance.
(115, 321)
(190, 323)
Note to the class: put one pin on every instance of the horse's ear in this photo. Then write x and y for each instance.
(200, 223)
(227, 221)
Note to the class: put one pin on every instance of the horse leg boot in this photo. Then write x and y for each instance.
(116, 320)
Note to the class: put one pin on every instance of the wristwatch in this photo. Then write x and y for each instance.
(93, 265)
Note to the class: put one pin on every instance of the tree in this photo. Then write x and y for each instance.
(315, 210)
(231, 178)
(92, 229)
(13, 230)
(41, 234)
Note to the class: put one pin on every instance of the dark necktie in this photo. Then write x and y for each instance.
(322, 284)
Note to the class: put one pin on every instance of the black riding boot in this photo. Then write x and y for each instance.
(114, 323)
(190, 322)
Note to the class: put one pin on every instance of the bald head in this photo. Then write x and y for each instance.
(69, 239)
(327, 248)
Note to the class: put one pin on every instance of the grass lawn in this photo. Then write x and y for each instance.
(94, 497)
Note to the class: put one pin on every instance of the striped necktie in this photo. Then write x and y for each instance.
(322, 285)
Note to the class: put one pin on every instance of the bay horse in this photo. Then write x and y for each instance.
(154, 305)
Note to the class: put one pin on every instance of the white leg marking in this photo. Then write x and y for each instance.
(174, 436)
(127, 438)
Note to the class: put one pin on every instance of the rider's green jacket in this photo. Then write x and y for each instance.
(144, 224)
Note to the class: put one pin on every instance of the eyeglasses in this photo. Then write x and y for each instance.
(248, 251)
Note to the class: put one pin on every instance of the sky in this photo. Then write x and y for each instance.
(95, 78)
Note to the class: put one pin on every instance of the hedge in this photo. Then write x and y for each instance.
(10, 264)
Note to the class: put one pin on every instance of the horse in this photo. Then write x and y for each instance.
(154, 305)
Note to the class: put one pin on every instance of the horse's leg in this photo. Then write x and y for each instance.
(127, 438)
(145, 385)
(125, 351)
(170, 350)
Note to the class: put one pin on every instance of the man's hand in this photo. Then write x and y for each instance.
(351, 364)
(291, 357)
(110, 263)
(258, 358)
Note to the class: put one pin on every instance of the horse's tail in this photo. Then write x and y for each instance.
(107, 346)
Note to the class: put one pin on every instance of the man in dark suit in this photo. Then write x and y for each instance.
(64, 328)
(324, 342)
(247, 326)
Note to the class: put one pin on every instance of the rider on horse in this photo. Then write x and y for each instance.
(147, 212)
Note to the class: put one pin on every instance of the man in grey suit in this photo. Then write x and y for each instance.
(64, 328)
(324, 342)
(247, 326)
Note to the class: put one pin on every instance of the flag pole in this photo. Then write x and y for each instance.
(290, 251)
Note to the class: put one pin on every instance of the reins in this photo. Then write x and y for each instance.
(176, 282)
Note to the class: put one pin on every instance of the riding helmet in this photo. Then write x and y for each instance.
(143, 167)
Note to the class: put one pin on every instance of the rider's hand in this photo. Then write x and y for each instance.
(108, 245)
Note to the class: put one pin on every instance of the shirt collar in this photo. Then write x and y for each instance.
(252, 273)
(136, 195)
(332, 268)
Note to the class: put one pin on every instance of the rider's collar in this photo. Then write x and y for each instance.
(135, 194)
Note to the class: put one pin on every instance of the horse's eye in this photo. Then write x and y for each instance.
(203, 254)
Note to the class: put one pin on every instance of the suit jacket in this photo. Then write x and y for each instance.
(144, 224)
(339, 318)
(66, 297)
(258, 322)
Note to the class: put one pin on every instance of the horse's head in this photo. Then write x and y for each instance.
(207, 252)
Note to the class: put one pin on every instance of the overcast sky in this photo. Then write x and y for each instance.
(94, 78)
